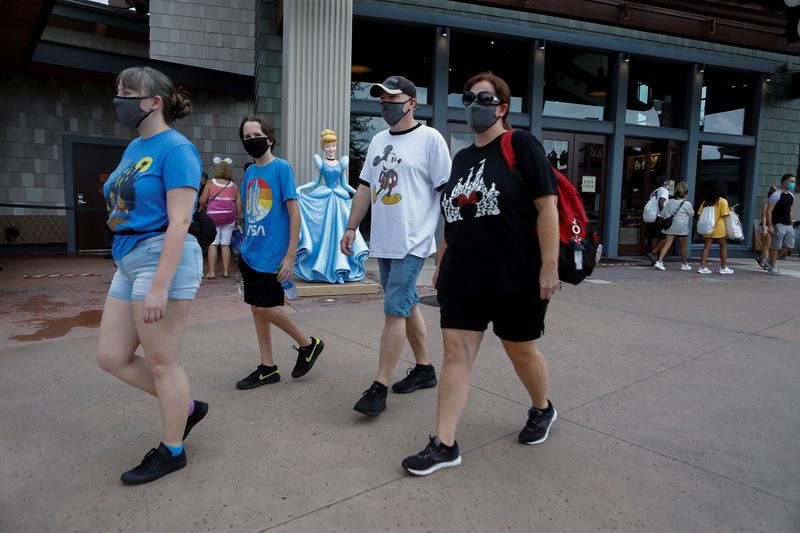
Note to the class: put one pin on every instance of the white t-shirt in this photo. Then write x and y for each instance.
(403, 172)
(661, 192)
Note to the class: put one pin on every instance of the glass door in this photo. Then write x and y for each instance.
(582, 160)
(645, 160)
(590, 177)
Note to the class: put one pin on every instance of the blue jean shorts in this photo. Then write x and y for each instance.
(137, 269)
(399, 282)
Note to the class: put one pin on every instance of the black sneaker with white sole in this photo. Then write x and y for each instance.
(199, 413)
(373, 400)
(263, 375)
(306, 357)
(537, 428)
(418, 377)
(157, 463)
(434, 457)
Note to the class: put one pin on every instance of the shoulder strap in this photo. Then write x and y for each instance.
(511, 158)
(508, 153)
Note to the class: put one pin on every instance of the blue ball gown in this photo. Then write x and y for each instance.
(325, 208)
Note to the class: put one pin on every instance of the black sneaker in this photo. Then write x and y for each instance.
(373, 400)
(199, 413)
(538, 426)
(419, 377)
(156, 463)
(306, 357)
(432, 458)
(263, 375)
(652, 257)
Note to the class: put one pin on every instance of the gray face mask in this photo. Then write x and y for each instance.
(392, 112)
(128, 111)
(480, 117)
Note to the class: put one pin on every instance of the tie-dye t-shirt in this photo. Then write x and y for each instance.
(265, 191)
(136, 192)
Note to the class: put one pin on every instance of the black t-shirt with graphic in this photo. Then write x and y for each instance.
(489, 228)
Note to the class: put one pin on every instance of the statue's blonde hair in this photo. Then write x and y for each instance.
(328, 136)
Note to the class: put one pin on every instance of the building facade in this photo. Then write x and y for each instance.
(615, 103)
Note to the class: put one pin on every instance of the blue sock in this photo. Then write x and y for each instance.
(176, 451)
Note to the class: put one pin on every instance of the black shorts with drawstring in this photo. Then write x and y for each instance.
(516, 317)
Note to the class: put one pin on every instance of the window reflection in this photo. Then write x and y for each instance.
(509, 59)
(656, 93)
(723, 165)
(370, 64)
(726, 102)
(576, 83)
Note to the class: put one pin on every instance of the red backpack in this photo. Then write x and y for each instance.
(578, 244)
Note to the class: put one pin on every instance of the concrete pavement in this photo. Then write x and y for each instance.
(676, 395)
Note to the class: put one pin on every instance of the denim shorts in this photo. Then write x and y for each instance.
(399, 282)
(137, 269)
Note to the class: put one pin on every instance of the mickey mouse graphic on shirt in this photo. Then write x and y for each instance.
(471, 198)
(387, 178)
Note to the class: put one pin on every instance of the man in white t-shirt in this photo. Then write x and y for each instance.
(653, 230)
(405, 168)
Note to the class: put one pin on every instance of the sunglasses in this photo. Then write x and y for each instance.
(483, 98)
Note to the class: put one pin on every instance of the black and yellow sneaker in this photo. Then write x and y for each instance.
(306, 357)
(263, 375)
(435, 456)
(157, 463)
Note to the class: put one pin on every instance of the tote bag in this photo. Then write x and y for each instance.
(733, 227)
(651, 210)
(707, 221)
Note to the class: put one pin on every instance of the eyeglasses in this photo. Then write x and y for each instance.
(483, 98)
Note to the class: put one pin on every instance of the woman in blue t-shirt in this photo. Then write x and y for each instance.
(150, 199)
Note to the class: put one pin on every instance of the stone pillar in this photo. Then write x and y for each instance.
(317, 37)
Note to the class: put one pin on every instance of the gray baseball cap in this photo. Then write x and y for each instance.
(394, 85)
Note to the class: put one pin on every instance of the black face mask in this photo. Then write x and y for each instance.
(256, 146)
(392, 112)
(129, 112)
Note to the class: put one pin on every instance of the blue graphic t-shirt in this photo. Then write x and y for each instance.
(136, 192)
(266, 219)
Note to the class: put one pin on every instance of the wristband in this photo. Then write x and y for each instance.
(350, 229)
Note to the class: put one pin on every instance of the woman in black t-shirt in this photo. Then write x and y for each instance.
(497, 262)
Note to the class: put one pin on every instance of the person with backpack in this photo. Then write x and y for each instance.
(220, 199)
(677, 215)
(498, 262)
(714, 199)
(779, 222)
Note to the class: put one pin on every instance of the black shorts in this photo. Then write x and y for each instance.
(514, 317)
(260, 288)
(653, 231)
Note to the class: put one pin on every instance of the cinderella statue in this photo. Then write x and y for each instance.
(325, 208)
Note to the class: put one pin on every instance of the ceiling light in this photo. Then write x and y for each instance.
(360, 69)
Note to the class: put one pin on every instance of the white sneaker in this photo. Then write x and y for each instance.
(659, 265)
(774, 271)
(686, 267)
(725, 271)
(703, 270)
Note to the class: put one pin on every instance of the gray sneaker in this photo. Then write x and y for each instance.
(774, 271)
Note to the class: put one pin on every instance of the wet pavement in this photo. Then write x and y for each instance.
(676, 395)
